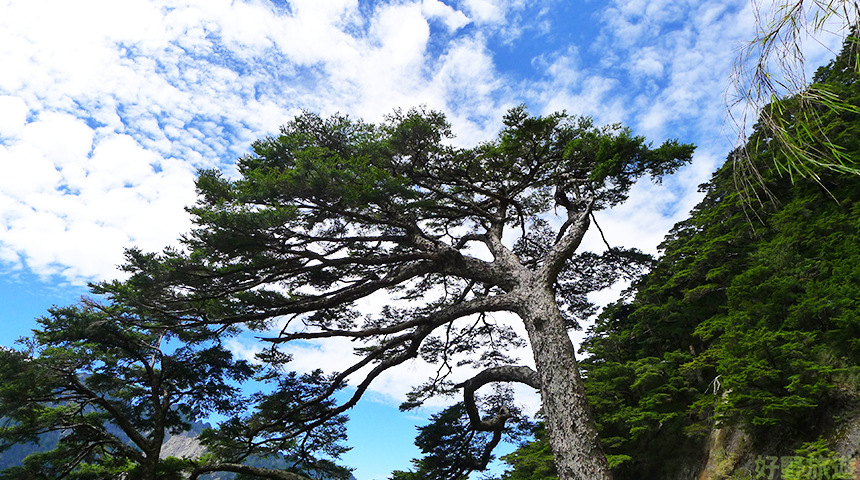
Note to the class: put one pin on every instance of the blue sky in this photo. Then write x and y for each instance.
(108, 108)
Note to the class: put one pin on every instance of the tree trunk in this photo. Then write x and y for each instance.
(147, 469)
(572, 431)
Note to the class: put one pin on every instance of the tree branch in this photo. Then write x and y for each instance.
(133, 434)
(570, 236)
(424, 326)
(496, 424)
(520, 374)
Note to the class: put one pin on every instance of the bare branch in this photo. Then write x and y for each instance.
(507, 373)
(452, 312)
(409, 342)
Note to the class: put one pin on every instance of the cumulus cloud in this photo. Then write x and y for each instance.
(485, 11)
(13, 116)
(107, 109)
(75, 197)
(647, 62)
(453, 19)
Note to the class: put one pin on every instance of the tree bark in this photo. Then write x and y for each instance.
(572, 431)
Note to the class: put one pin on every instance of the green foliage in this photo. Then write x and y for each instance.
(103, 390)
(288, 419)
(531, 460)
(815, 460)
(334, 210)
(772, 66)
(326, 214)
(111, 388)
(744, 320)
(364, 190)
(452, 450)
(748, 318)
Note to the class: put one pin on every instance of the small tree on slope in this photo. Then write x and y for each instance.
(333, 211)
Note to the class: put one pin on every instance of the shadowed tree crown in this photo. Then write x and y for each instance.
(95, 395)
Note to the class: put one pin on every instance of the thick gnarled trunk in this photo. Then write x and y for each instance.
(572, 432)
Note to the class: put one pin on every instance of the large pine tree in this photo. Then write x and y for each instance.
(334, 211)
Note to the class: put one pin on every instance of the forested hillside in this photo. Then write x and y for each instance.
(750, 318)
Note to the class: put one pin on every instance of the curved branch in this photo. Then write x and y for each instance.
(475, 208)
(520, 374)
(502, 255)
(409, 342)
(472, 237)
(427, 325)
(310, 303)
(445, 259)
(445, 315)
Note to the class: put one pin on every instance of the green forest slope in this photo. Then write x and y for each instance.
(750, 318)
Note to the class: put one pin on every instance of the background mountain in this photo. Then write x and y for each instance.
(180, 445)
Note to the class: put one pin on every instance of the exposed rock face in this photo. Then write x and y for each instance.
(727, 448)
(848, 444)
(731, 455)
(184, 445)
(848, 438)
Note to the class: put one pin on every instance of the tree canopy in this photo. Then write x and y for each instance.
(104, 393)
(748, 319)
(333, 211)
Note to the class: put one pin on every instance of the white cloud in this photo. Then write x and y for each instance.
(116, 93)
(678, 56)
(453, 19)
(565, 69)
(485, 11)
(465, 84)
(72, 199)
(647, 62)
(107, 108)
(13, 116)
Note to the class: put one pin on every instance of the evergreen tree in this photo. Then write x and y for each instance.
(453, 450)
(532, 460)
(109, 390)
(332, 211)
(749, 318)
